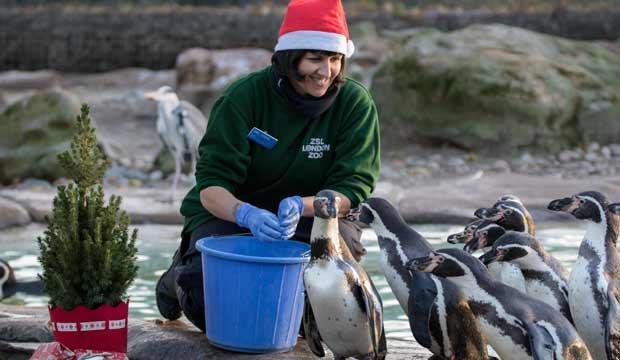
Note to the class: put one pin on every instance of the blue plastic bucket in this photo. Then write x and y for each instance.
(253, 292)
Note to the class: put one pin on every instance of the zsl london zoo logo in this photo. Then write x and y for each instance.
(316, 148)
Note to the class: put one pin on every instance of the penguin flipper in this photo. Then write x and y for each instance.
(374, 311)
(382, 350)
(34, 287)
(542, 344)
(420, 305)
(612, 321)
(311, 330)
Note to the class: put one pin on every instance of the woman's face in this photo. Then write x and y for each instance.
(318, 71)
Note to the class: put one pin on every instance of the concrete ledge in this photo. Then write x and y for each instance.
(451, 200)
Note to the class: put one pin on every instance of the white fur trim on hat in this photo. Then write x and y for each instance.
(315, 40)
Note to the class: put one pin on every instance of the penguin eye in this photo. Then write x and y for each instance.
(582, 201)
(508, 212)
(484, 233)
(440, 259)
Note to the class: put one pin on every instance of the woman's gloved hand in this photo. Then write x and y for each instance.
(262, 223)
(289, 213)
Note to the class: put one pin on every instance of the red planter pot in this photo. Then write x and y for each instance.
(102, 329)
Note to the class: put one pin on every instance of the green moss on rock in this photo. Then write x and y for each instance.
(493, 86)
(32, 131)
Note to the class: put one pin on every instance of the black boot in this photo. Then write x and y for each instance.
(165, 292)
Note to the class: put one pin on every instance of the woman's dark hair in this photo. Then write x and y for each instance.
(286, 63)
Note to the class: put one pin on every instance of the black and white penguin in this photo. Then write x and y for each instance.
(510, 213)
(467, 233)
(517, 326)
(439, 315)
(484, 236)
(482, 239)
(545, 277)
(344, 308)
(9, 285)
(594, 282)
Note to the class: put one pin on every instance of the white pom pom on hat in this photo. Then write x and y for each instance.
(315, 25)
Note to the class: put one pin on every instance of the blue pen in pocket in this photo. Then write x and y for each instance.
(262, 138)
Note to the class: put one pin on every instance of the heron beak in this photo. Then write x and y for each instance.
(151, 95)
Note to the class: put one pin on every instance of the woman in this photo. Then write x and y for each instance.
(275, 138)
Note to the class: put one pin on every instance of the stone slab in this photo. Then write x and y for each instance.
(158, 339)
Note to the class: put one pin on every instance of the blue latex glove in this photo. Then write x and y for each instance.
(289, 213)
(262, 223)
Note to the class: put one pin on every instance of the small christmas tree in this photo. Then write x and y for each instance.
(87, 255)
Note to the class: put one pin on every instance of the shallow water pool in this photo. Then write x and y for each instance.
(156, 244)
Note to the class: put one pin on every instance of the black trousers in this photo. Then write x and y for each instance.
(188, 273)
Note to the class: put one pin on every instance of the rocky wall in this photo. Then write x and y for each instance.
(90, 40)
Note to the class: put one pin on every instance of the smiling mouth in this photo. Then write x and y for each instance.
(319, 81)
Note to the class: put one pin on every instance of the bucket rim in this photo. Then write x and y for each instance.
(200, 245)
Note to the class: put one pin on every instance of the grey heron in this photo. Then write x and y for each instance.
(181, 126)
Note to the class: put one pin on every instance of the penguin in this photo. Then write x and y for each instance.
(510, 213)
(467, 233)
(9, 285)
(594, 282)
(517, 326)
(545, 277)
(483, 238)
(438, 313)
(343, 308)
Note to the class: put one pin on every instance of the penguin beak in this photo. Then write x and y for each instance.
(459, 238)
(324, 208)
(425, 263)
(491, 256)
(473, 245)
(478, 241)
(567, 204)
(492, 214)
(354, 214)
(615, 208)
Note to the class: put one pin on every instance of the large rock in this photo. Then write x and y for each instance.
(494, 86)
(32, 132)
(12, 214)
(202, 74)
(23, 80)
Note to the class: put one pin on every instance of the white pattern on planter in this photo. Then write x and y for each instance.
(92, 325)
(116, 324)
(66, 327)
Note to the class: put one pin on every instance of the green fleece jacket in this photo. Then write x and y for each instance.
(337, 151)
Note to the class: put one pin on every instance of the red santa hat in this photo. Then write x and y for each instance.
(315, 25)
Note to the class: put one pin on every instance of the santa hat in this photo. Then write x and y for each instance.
(315, 25)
